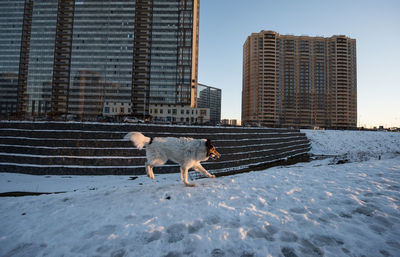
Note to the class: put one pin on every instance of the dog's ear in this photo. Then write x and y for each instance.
(208, 144)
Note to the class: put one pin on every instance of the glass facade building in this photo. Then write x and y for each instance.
(41, 56)
(84, 56)
(11, 20)
(101, 55)
(210, 97)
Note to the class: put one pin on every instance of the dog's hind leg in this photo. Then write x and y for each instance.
(184, 176)
(201, 169)
(149, 170)
(153, 162)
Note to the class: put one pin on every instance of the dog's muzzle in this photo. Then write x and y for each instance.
(215, 156)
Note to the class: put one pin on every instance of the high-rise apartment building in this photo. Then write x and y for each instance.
(299, 81)
(83, 56)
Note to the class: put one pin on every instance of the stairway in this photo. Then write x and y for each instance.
(69, 148)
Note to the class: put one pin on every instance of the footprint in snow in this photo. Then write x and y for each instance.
(309, 249)
(103, 231)
(217, 253)
(299, 210)
(288, 252)
(118, 253)
(153, 236)
(323, 240)
(173, 254)
(176, 232)
(266, 232)
(287, 236)
(26, 249)
(212, 219)
(196, 226)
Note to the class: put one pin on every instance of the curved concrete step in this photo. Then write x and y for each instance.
(127, 127)
(99, 148)
(221, 167)
(118, 135)
(126, 160)
(127, 149)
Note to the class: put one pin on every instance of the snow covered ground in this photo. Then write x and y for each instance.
(307, 209)
(355, 145)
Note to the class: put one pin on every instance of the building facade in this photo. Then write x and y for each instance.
(230, 122)
(179, 114)
(11, 21)
(299, 81)
(74, 56)
(210, 97)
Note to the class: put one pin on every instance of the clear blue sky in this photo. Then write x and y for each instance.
(375, 24)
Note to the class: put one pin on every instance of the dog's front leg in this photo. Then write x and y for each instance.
(149, 171)
(201, 169)
(184, 176)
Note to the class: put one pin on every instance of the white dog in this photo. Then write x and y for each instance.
(187, 152)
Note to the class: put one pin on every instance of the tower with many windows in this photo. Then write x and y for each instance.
(81, 56)
(299, 81)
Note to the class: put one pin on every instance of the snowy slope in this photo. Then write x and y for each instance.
(353, 143)
(307, 209)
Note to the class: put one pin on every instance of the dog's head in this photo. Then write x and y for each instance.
(211, 151)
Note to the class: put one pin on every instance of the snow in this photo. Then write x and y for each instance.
(307, 209)
(354, 144)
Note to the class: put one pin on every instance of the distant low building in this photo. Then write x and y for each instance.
(115, 109)
(228, 122)
(233, 122)
(179, 114)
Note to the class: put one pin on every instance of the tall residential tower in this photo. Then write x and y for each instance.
(86, 57)
(299, 81)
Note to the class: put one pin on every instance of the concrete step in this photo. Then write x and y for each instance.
(118, 135)
(103, 148)
(109, 160)
(218, 167)
(99, 148)
(120, 142)
(127, 127)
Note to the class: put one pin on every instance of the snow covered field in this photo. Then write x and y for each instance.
(318, 208)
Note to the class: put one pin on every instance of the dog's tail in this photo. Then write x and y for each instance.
(138, 139)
